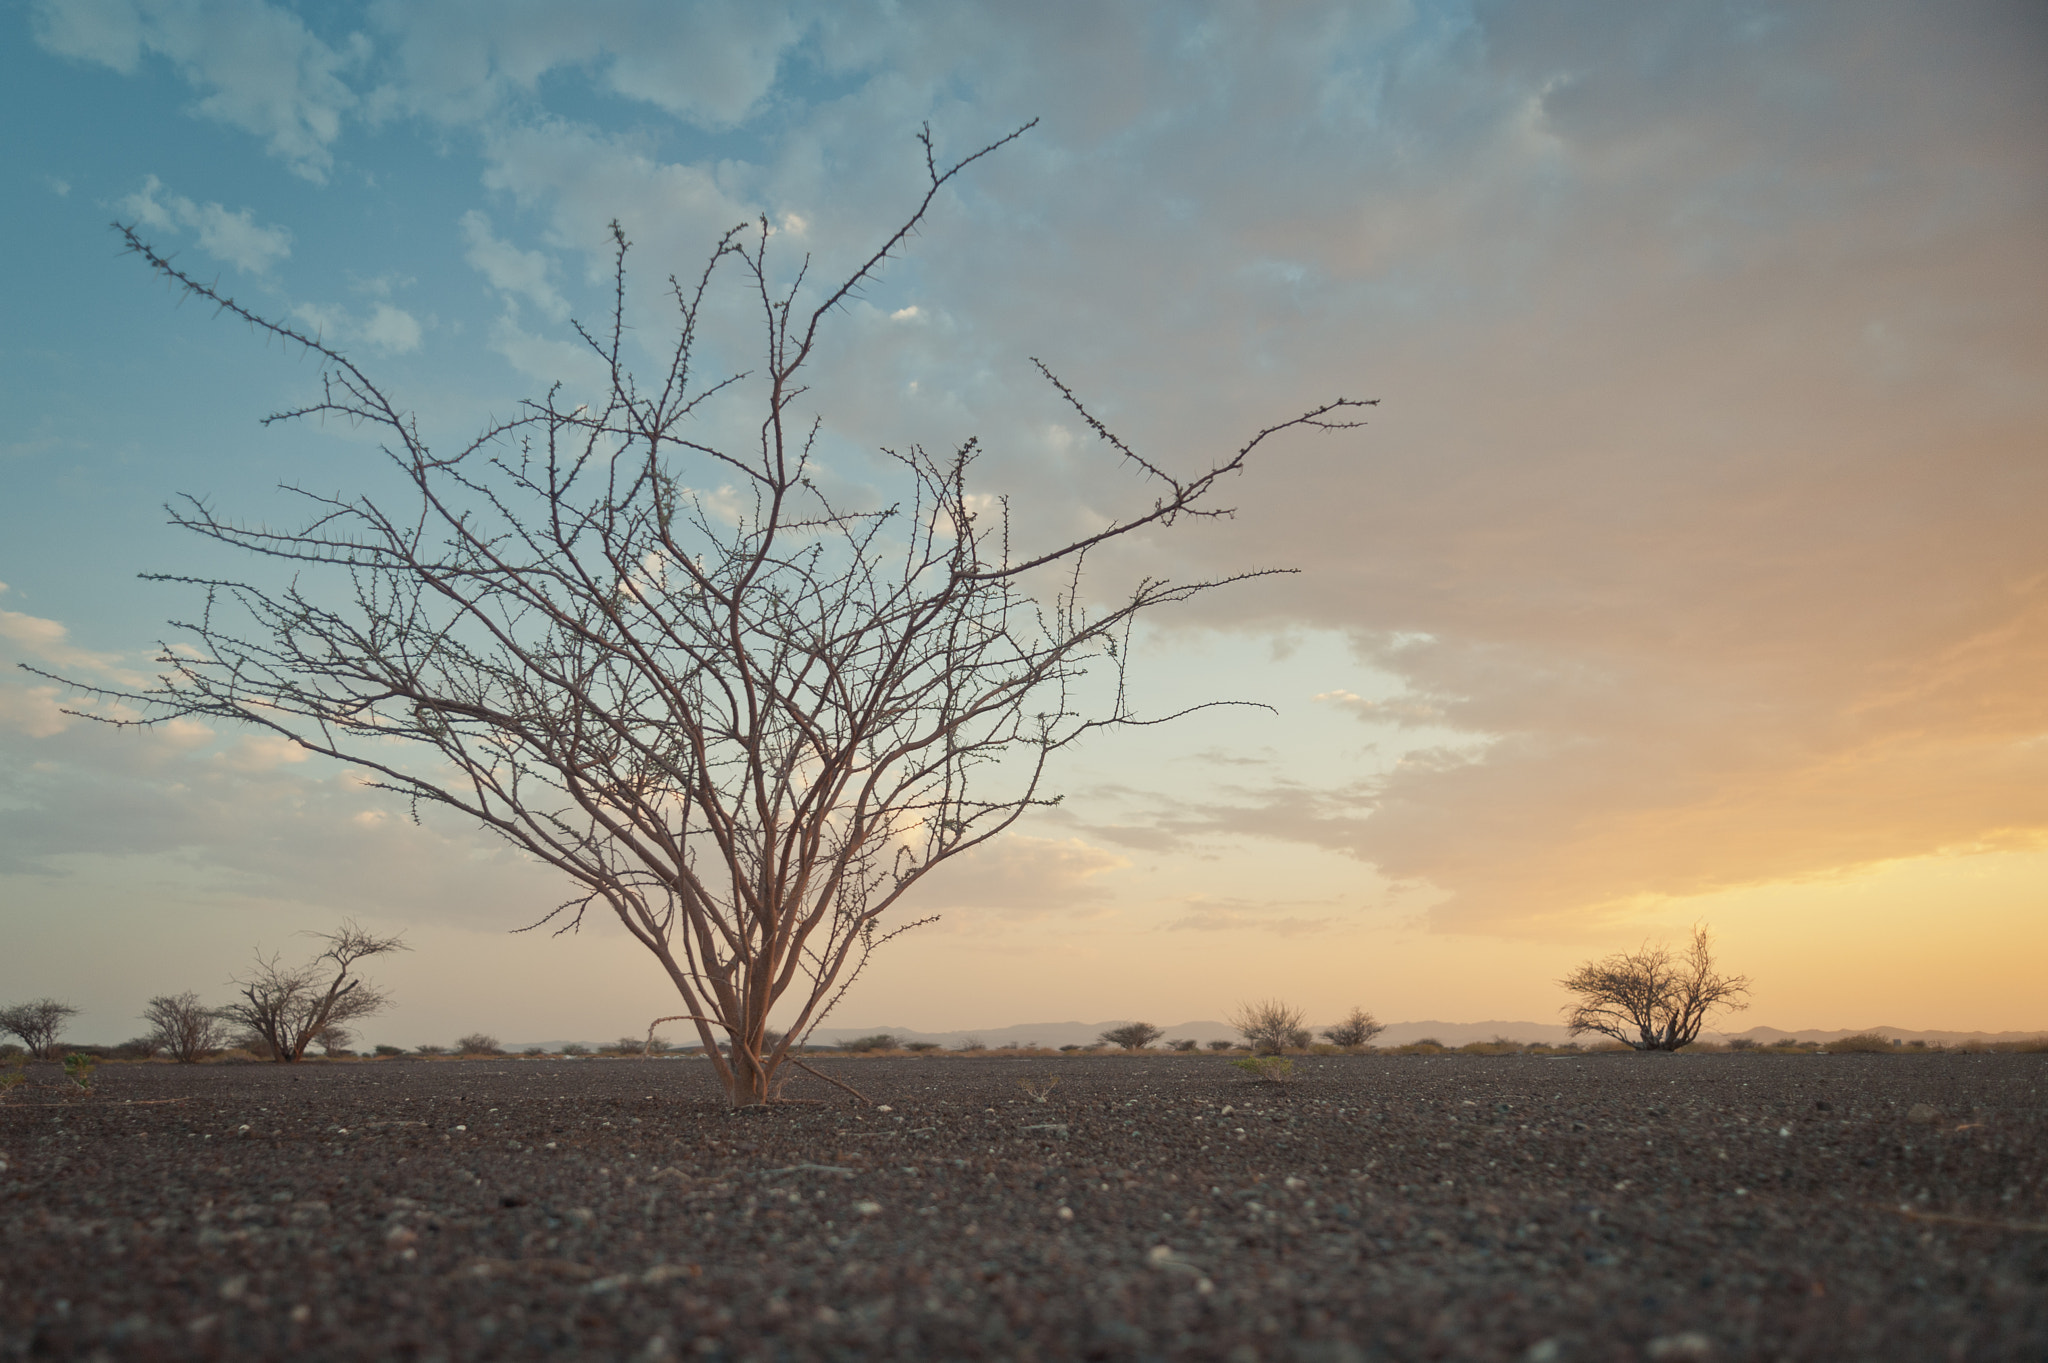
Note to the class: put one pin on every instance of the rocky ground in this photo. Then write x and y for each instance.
(1511, 1207)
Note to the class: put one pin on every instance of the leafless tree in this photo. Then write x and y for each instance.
(746, 727)
(1133, 1036)
(183, 1026)
(289, 1008)
(37, 1023)
(1357, 1028)
(1649, 1000)
(1269, 1027)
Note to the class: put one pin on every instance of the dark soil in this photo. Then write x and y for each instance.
(1515, 1207)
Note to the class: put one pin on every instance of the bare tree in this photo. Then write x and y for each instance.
(183, 1026)
(746, 728)
(289, 1008)
(37, 1023)
(1357, 1028)
(1133, 1036)
(1650, 1001)
(478, 1043)
(1269, 1027)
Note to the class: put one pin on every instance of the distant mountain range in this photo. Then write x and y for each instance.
(1396, 1034)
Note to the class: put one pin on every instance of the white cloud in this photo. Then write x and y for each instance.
(523, 274)
(260, 68)
(391, 329)
(48, 642)
(231, 237)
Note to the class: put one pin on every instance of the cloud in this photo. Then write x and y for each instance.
(391, 329)
(522, 274)
(1019, 877)
(231, 237)
(260, 68)
(1238, 915)
(48, 642)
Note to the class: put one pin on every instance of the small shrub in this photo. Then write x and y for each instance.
(78, 1068)
(1222, 1045)
(1270, 1027)
(1132, 1036)
(972, 1043)
(139, 1048)
(1741, 1043)
(1357, 1028)
(920, 1047)
(1039, 1089)
(575, 1048)
(9, 1049)
(15, 1071)
(534, 1051)
(430, 1050)
(879, 1041)
(1862, 1042)
(1070, 1047)
(1497, 1046)
(389, 1050)
(1267, 1069)
(478, 1043)
(1182, 1043)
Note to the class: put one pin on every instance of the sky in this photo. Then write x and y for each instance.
(1690, 569)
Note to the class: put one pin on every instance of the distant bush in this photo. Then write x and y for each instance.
(1222, 1045)
(879, 1041)
(1742, 1043)
(1428, 1045)
(575, 1048)
(8, 1050)
(1270, 1027)
(1357, 1029)
(138, 1048)
(182, 1025)
(1182, 1043)
(430, 1050)
(920, 1047)
(389, 1050)
(972, 1043)
(534, 1050)
(1070, 1047)
(37, 1023)
(478, 1043)
(1500, 1045)
(1132, 1036)
(1865, 1042)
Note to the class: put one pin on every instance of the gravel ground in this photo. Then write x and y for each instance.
(1512, 1207)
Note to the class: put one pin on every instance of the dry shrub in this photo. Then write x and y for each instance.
(1868, 1042)
(1497, 1046)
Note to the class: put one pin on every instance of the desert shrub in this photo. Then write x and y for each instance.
(1182, 1043)
(972, 1043)
(1864, 1042)
(430, 1050)
(1428, 1045)
(9, 1050)
(534, 1051)
(1741, 1043)
(389, 1050)
(1070, 1047)
(920, 1047)
(1498, 1046)
(478, 1043)
(879, 1041)
(1357, 1029)
(1267, 1069)
(183, 1026)
(1222, 1045)
(1132, 1036)
(138, 1048)
(1270, 1026)
(37, 1023)
(575, 1048)
(78, 1068)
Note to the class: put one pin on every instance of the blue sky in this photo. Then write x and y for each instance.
(1691, 567)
